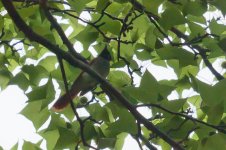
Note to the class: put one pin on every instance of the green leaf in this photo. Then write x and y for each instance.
(13, 63)
(49, 63)
(71, 73)
(142, 20)
(212, 45)
(120, 125)
(119, 79)
(214, 113)
(121, 1)
(106, 143)
(43, 28)
(127, 51)
(216, 141)
(101, 4)
(115, 8)
(174, 105)
(216, 28)
(176, 127)
(148, 90)
(220, 4)
(171, 17)
(21, 80)
(28, 11)
(51, 137)
(3, 60)
(222, 44)
(67, 110)
(111, 26)
(38, 93)
(174, 64)
(140, 46)
(152, 5)
(30, 146)
(169, 52)
(33, 112)
(45, 93)
(87, 36)
(56, 122)
(197, 19)
(35, 73)
(165, 89)
(78, 5)
(120, 140)
(98, 113)
(143, 43)
(196, 30)
(67, 139)
(5, 77)
(150, 38)
(2, 22)
(195, 8)
(212, 95)
(15, 147)
(204, 132)
(142, 54)
(89, 130)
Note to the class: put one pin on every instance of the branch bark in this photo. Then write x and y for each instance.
(60, 31)
(201, 50)
(29, 33)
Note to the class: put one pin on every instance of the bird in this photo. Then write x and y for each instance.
(84, 81)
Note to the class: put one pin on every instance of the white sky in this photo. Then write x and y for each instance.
(15, 127)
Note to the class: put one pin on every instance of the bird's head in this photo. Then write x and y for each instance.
(105, 54)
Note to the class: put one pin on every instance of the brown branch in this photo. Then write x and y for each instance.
(28, 1)
(220, 129)
(81, 124)
(61, 33)
(75, 62)
(12, 46)
(37, 1)
(202, 51)
(188, 134)
(143, 139)
(94, 25)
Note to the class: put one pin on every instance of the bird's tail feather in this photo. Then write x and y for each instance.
(64, 100)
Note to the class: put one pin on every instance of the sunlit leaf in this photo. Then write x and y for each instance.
(5, 77)
(169, 53)
(33, 112)
(35, 73)
(172, 17)
(146, 39)
(51, 137)
(30, 146)
(119, 79)
(21, 80)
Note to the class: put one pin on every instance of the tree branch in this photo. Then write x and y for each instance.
(60, 31)
(202, 51)
(81, 124)
(75, 62)
(94, 25)
(220, 129)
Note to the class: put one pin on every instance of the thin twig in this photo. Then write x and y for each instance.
(185, 116)
(72, 104)
(202, 51)
(61, 33)
(33, 36)
(97, 27)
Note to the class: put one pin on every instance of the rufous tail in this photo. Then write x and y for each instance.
(64, 100)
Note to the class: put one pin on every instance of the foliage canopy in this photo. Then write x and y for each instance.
(36, 35)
